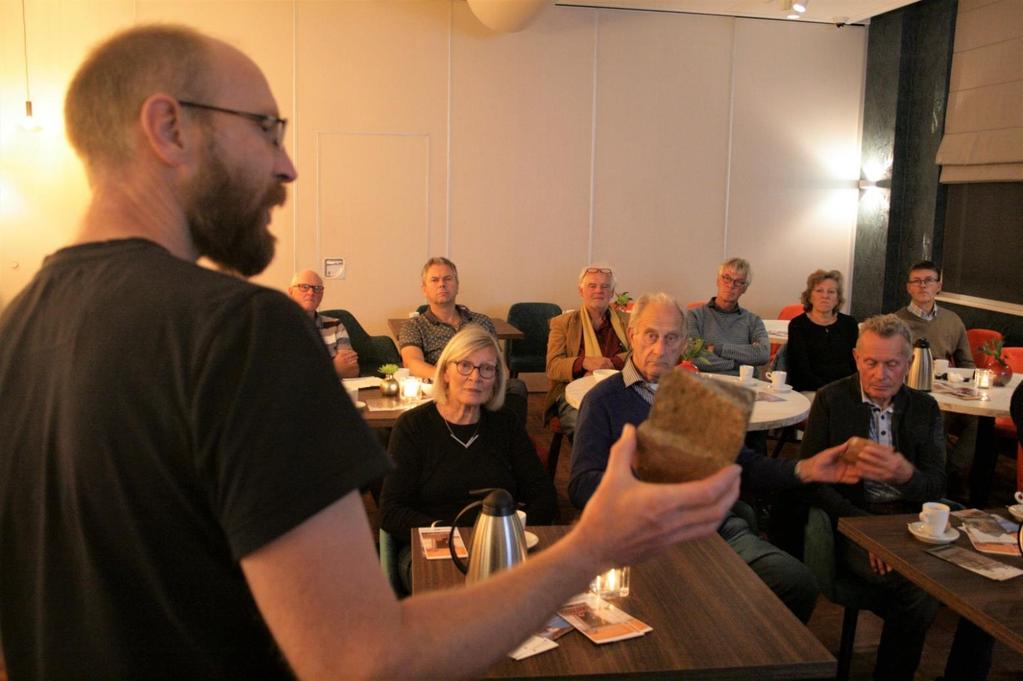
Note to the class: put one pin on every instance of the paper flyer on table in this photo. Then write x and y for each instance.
(543, 640)
(975, 562)
(435, 543)
(600, 621)
(990, 533)
(363, 382)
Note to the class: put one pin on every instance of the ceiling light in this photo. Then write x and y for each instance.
(800, 5)
(29, 122)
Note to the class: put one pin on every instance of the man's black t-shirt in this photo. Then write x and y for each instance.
(158, 422)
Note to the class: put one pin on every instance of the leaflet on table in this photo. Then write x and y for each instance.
(962, 392)
(975, 562)
(543, 640)
(764, 396)
(362, 382)
(989, 533)
(600, 621)
(435, 543)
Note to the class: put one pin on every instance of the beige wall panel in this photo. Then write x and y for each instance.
(43, 191)
(372, 68)
(795, 154)
(373, 208)
(662, 149)
(264, 30)
(520, 158)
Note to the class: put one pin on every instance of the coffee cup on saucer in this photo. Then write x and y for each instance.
(934, 517)
(777, 379)
(941, 369)
(745, 373)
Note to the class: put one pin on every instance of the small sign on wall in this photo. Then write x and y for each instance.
(333, 268)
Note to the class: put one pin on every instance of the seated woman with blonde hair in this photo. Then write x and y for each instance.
(461, 441)
(821, 340)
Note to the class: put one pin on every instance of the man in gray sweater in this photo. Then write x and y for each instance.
(733, 334)
(946, 335)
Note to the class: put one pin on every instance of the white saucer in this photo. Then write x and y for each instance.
(1016, 511)
(784, 389)
(531, 540)
(360, 405)
(916, 529)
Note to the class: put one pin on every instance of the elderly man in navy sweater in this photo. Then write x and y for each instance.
(656, 333)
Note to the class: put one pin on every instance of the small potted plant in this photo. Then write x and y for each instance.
(623, 302)
(996, 362)
(694, 352)
(389, 386)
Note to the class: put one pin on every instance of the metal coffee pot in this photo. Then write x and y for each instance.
(921, 366)
(498, 538)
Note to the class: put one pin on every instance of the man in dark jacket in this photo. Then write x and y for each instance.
(902, 466)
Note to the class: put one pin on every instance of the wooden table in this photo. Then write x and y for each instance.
(380, 419)
(792, 409)
(995, 607)
(712, 618)
(985, 457)
(505, 331)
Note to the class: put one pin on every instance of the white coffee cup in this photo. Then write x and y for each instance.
(745, 373)
(1019, 497)
(777, 379)
(522, 518)
(934, 516)
(353, 393)
(600, 374)
(940, 367)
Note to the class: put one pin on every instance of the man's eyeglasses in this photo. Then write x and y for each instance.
(741, 283)
(306, 288)
(271, 125)
(926, 281)
(465, 368)
(599, 270)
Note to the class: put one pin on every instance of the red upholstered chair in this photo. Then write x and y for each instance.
(1004, 427)
(977, 338)
(791, 311)
(787, 312)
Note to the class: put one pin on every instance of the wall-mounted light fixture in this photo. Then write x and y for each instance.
(794, 9)
(29, 122)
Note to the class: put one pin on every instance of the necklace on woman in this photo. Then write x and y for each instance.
(465, 444)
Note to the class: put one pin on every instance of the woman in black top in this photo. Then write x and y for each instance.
(821, 340)
(461, 441)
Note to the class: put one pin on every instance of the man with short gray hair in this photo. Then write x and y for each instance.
(733, 334)
(584, 340)
(875, 404)
(657, 334)
(306, 289)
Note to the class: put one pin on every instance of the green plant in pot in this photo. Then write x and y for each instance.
(996, 362)
(389, 386)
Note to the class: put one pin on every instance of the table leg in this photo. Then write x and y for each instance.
(985, 458)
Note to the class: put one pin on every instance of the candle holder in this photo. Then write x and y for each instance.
(410, 390)
(612, 584)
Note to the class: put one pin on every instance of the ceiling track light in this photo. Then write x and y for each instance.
(794, 9)
(29, 122)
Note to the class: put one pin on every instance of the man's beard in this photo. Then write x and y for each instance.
(223, 226)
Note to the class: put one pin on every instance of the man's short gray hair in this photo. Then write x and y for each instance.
(438, 260)
(887, 326)
(660, 299)
(739, 265)
(471, 338)
(601, 269)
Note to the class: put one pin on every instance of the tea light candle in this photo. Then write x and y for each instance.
(410, 388)
(612, 584)
(984, 378)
